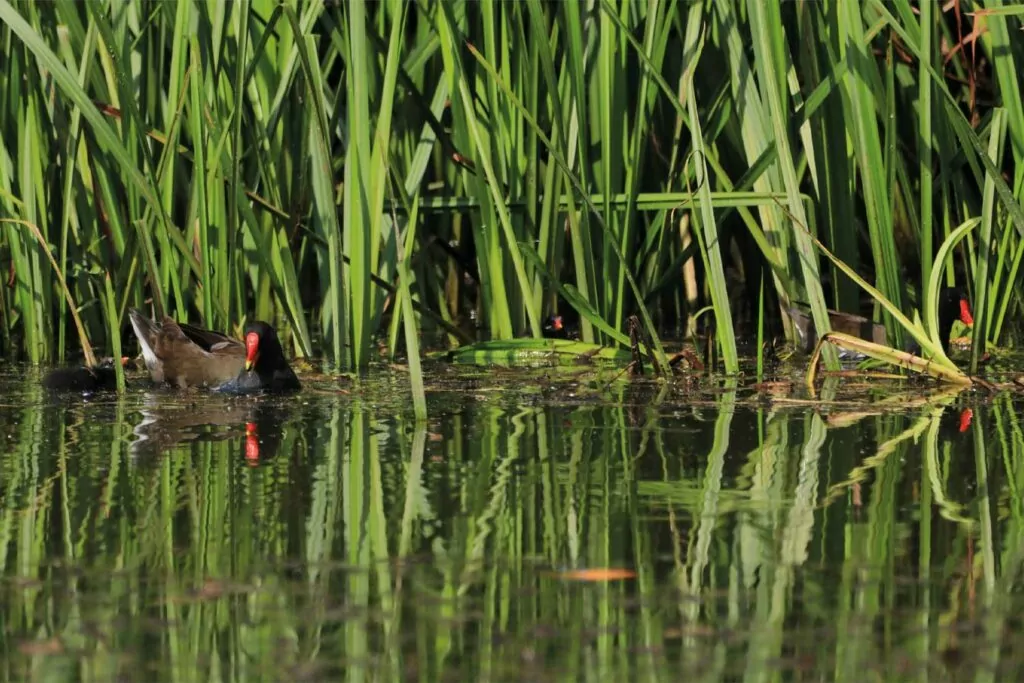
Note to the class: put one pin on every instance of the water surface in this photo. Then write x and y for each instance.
(540, 527)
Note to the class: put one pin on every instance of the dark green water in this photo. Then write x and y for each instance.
(327, 537)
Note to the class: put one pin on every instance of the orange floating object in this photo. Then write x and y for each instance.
(608, 574)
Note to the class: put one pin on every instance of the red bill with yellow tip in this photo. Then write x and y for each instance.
(252, 350)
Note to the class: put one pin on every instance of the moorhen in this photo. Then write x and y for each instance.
(953, 305)
(266, 368)
(185, 356)
(554, 328)
(561, 327)
(84, 379)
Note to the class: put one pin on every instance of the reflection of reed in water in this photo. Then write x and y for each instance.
(493, 517)
(168, 422)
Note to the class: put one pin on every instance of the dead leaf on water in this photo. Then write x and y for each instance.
(37, 648)
(212, 589)
(775, 387)
(596, 575)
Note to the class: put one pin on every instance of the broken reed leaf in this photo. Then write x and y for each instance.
(885, 354)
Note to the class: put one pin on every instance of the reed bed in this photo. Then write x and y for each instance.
(431, 173)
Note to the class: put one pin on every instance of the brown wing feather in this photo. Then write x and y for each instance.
(208, 339)
(188, 356)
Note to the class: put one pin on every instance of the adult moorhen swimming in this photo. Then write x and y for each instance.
(953, 305)
(559, 326)
(554, 328)
(266, 368)
(185, 356)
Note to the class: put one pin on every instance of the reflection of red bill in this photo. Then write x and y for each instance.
(965, 419)
(252, 443)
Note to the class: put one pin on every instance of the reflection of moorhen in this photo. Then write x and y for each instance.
(185, 356)
(266, 368)
(167, 424)
(953, 305)
(84, 379)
